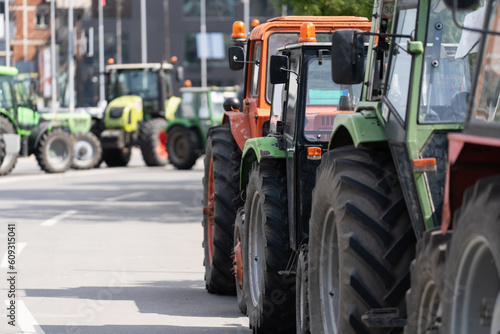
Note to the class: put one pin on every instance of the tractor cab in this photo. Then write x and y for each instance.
(135, 115)
(305, 103)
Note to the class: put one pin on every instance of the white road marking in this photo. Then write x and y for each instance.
(19, 248)
(58, 218)
(25, 320)
(131, 195)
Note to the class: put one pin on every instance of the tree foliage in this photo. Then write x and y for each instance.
(330, 7)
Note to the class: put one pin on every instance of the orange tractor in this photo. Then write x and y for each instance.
(222, 197)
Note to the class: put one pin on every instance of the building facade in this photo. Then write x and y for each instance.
(172, 29)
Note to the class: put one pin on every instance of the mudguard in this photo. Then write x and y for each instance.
(179, 121)
(240, 127)
(356, 129)
(257, 149)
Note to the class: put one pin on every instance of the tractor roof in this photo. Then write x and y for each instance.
(322, 23)
(210, 89)
(7, 70)
(139, 66)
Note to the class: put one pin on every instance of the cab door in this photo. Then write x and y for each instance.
(289, 135)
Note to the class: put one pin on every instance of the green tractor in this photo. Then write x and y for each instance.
(277, 179)
(135, 115)
(87, 149)
(200, 109)
(380, 187)
(25, 131)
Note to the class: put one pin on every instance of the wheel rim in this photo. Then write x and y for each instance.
(255, 247)
(84, 151)
(181, 146)
(329, 274)
(161, 148)
(58, 153)
(429, 310)
(477, 290)
(210, 210)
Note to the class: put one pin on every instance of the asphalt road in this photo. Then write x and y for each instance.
(109, 250)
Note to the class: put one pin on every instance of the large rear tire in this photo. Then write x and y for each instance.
(221, 200)
(472, 298)
(423, 300)
(183, 147)
(266, 250)
(361, 241)
(152, 138)
(9, 161)
(88, 151)
(55, 151)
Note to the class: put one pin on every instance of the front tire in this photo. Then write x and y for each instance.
(183, 147)
(152, 138)
(361, 241)
(117, 157)
(221, 200)
(472, 298)
(423, 300)
(266, 250)
(55, 151)
(88, 151)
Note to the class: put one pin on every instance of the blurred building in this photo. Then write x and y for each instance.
(173, 28)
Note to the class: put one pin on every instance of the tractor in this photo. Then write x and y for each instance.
(278, 174)
(26, 131)
(87, 148)
(225, 143)
(456, 275)
(135, 115)
(380, 186)
(200, 109)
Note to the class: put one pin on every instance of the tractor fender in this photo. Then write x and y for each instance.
(10, 118)
(257, 149)
(178, 122)
(240, 127)
(36, 136)
(356, 129)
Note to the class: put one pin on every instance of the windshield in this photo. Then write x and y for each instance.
(450, 56)
(325, 100)
(280, 39)
(6, 92)
(487, 102)
(141, 82)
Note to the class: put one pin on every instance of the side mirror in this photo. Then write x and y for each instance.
(461, 4)
(348, 57)
(278, 71)
(236, 57)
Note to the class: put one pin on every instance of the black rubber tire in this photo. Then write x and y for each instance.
(88, 151)
(423, 300)
(222, 149)
(55, 151)
(183, 147)
(117, 157)
(150, 144)
(473, 263)
(2, 150)
(97, 128)
(238, 239)
(361, 241)
(10, 160)
(266, 250)
(301, 292)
